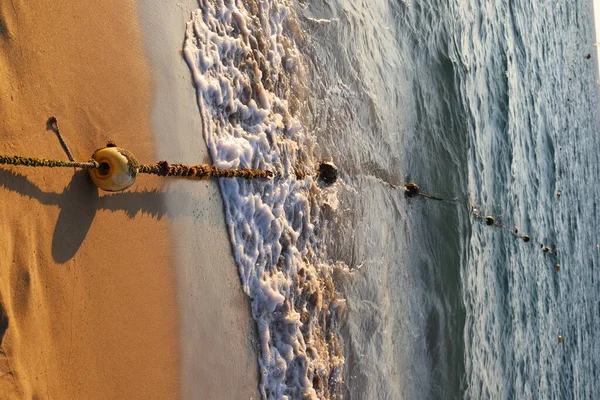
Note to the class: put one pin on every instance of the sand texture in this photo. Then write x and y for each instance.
(87, 286)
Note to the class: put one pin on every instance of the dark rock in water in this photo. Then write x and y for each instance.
(411, 190)
(328, 173)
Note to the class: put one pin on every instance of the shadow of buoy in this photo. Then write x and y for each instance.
(78, 205)
(3, 322)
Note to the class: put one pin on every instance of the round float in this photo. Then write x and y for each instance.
(117, 169)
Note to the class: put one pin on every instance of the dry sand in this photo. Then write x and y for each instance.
(100, 297)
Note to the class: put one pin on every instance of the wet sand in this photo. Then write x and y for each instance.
(218, 339)
(100, 296)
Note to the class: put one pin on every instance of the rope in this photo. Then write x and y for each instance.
(328, 171)
(42, 162)
(491, 221)
(163, 168)
(54, 125)
(412, 190)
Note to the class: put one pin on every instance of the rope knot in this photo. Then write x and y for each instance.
(411, 189)
(163, 168)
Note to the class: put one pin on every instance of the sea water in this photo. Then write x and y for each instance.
(358, 292)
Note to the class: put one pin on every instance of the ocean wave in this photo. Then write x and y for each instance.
(249, 78)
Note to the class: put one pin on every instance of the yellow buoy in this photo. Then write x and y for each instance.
(117, 169)
(489, 220)
(559, 339)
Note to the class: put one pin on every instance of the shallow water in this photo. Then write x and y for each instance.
(481, 103)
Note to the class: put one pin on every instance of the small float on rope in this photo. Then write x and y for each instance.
(412, 190)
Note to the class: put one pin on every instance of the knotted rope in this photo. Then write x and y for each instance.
(327, 172)
(163, 168)
(42, 162)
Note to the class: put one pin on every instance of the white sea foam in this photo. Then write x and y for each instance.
(246, 70)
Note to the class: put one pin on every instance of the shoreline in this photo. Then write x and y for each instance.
(218, 336)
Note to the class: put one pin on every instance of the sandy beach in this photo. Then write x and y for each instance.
(126, 295)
